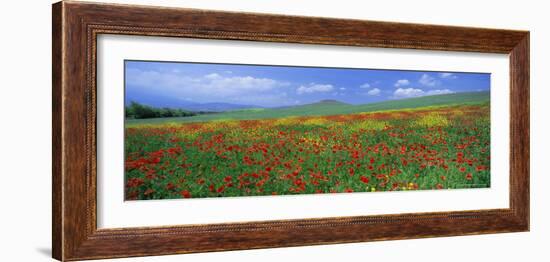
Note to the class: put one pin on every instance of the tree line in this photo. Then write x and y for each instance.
(139, 111)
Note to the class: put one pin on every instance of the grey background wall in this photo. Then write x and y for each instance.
(25, 150)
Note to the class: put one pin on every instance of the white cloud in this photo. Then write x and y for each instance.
(207, 83)
(448, 75)
(212, 76)
(415, 92)
(427, 80)
(407, 92)
(401, 82)
(312, 88)
(245, 83)
(342, 88)
(205, 88)
(365, 85)
(374, 92)
(439, 92)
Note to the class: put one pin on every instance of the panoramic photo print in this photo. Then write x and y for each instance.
(197, 130)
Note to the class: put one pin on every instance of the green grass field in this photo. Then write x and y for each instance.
(327, 108)
(436, 142)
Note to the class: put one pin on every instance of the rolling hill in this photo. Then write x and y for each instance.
(176, 103)
(328, 107)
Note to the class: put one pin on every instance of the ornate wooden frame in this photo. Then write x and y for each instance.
(76, 26)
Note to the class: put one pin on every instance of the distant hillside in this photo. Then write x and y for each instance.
(217, 107)
(435, 100)
(330, 102)
(332, 107)
(175, 103)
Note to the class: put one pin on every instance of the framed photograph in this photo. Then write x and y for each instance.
(182, 130)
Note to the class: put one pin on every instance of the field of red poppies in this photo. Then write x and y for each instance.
(415, 149)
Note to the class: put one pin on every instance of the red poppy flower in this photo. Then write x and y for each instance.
(185, 194)
(134, 182)
(351, 171)
(170, 186)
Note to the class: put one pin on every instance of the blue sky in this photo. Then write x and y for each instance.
(274, 86)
